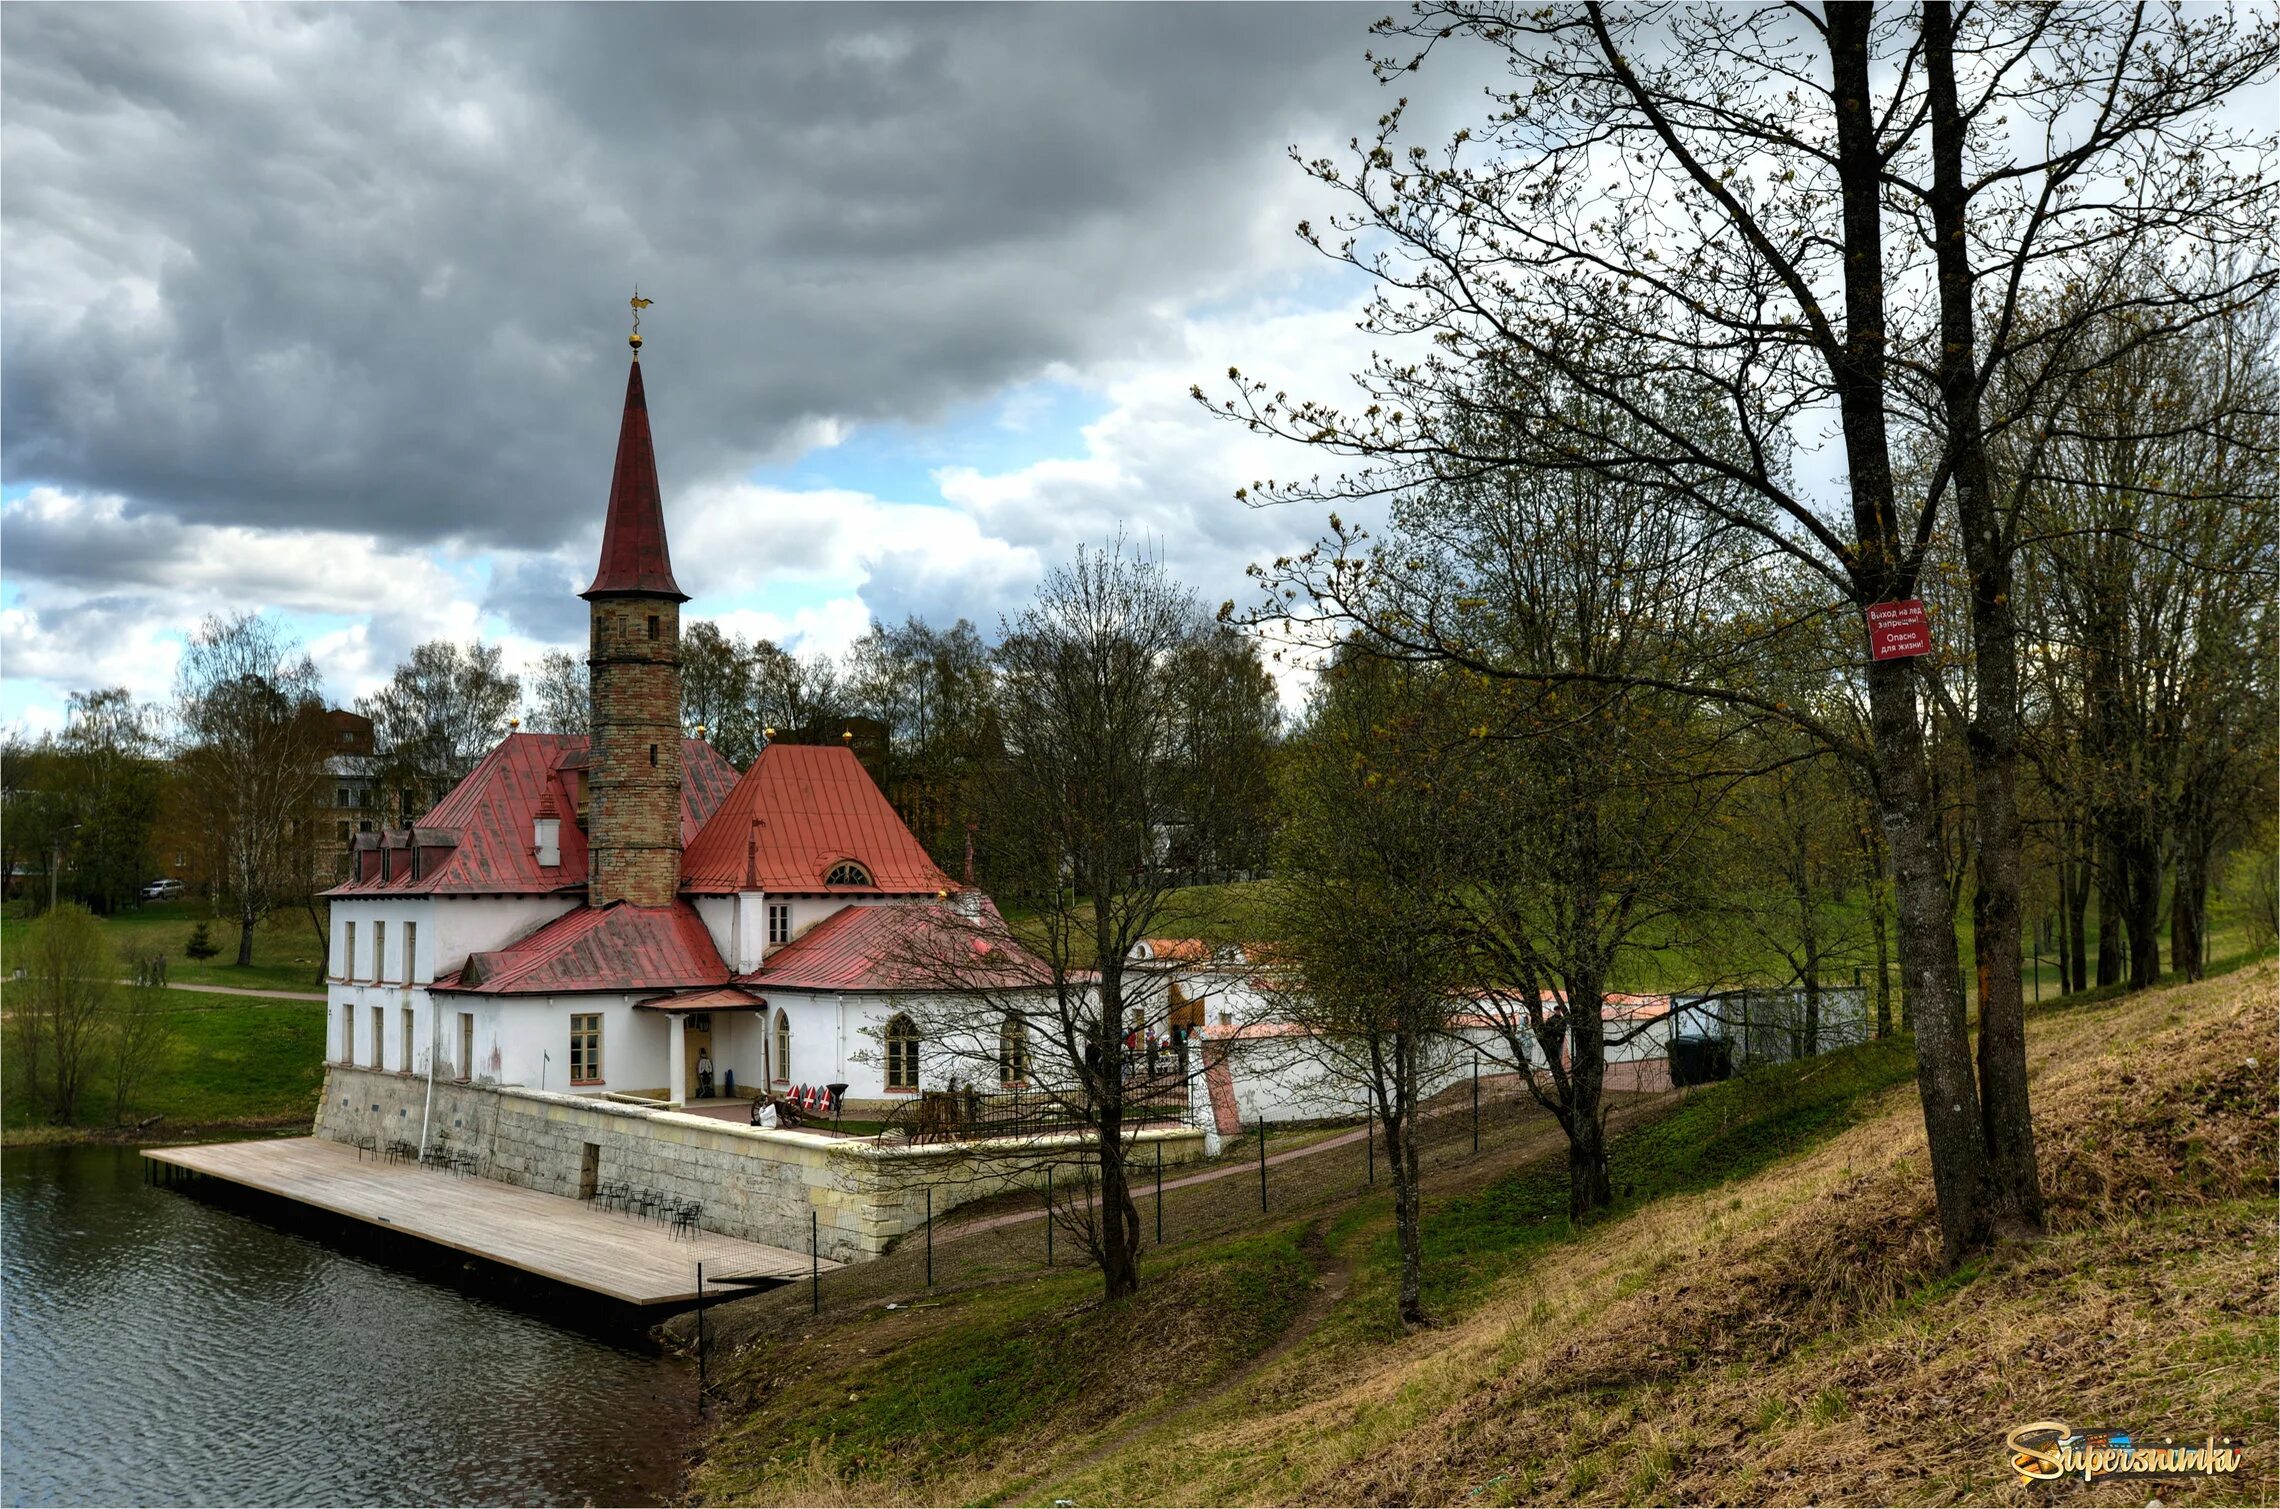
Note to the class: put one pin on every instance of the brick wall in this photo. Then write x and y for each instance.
(633, 823)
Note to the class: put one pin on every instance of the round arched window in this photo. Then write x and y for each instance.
(847, 872)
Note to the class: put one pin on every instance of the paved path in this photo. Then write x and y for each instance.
(569, 1241)
(243, 990)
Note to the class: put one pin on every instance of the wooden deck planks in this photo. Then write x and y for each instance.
(634, 1261)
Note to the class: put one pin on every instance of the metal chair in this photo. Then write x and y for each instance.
(685, 1218)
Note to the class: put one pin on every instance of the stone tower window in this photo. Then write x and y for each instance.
(652, 626)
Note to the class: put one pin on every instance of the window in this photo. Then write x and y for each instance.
(1013, 1052)
(467, 1045)
(652, 626)
(779, 922)
(347, 970)
(586, 1048)
(348, 1034)
(406, 1066)
(653, 756)
(379, 1036)
(379, 952)
(902, 1054)
(783, 1048)
(411, 951)
(340, 797)
(847, 872)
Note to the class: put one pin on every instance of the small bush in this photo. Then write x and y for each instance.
(201, 944)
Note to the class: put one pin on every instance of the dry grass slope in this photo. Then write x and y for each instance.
(1790, 1337)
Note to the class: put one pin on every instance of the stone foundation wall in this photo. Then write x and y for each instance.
(761, 1186)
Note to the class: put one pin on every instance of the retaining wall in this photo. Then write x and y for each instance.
(757, 1184)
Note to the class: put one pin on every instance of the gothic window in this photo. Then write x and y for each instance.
(847, 872)
(902, 1054)
(783, 1047)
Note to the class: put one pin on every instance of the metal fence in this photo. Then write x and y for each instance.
(1712, 1035)
(965, 1114)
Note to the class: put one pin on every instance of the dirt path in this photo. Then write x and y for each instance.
(1250, 1169)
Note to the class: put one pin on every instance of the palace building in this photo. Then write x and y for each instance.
(601, 914)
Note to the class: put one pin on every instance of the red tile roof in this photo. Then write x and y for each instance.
(615, 947)
(634, 558)
(900, 946)
(490, 814)
(815, 805)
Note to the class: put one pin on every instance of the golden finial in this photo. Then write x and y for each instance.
(639, 303)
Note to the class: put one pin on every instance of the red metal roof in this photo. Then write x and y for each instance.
(634, 558)
(490, 816)
(616, 947)
(905, 946)
(815, 805)
(720, 998)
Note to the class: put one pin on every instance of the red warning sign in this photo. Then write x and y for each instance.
(1898, 630)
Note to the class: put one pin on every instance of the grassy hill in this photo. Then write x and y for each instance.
(1764, 1319)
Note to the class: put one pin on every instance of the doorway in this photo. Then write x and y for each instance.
(589, 1170)
(697, 1045)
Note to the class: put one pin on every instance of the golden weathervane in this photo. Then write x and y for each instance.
(639, 303)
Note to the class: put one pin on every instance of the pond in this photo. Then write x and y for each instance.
(161, 1348)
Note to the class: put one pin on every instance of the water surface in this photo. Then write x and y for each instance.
(161, 1348)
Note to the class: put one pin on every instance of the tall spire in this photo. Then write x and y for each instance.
(634, 559)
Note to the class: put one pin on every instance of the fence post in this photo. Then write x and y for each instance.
(1048, 1215)
(1476, 1099)
(1369, 1140)
(815, 1268)
(700, 1341)
(1159, 1194)
(930, 1236)
(1262, 1164)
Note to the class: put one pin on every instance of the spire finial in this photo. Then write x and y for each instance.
(639, 303)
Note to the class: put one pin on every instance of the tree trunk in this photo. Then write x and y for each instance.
(1588, 1184)
(2143, 893)
(245, 933)
(1931, 989)
(1401, 1160)
(2110, 924)
(2189, 909)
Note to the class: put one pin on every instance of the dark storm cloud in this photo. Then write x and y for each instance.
(363, 267)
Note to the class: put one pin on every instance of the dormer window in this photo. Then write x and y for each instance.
(847, 872)
(546, 837)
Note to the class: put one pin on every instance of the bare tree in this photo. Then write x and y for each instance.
(141, 1029)
(1367, 963)
(251, 710)
(441, 712)
(561, 695)
(1078, 810)
(1753, 210)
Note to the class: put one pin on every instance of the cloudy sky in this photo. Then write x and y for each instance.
(323, 310)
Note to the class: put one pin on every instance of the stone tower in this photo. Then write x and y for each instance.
(633, 824)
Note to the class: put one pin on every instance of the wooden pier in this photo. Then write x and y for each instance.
(627, 1259)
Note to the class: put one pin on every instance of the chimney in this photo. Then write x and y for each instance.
(546, 831)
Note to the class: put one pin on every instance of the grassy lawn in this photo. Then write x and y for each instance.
(231, 1061)
(286, 951)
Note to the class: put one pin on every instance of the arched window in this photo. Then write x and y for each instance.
(902, 1054)
(847, 872)
(1013, 1052)
(783, 1047)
